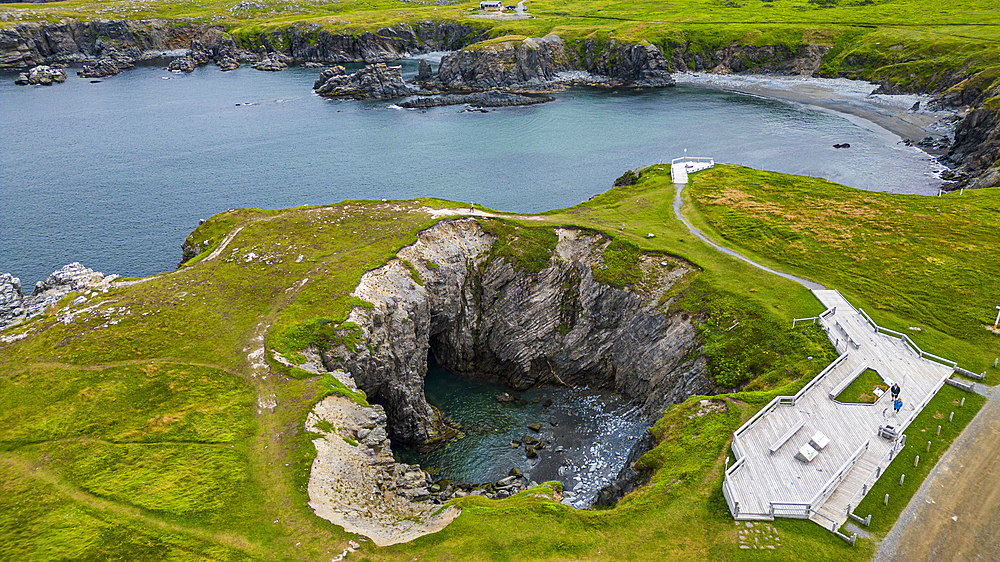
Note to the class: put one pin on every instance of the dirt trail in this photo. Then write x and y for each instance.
(954, 514)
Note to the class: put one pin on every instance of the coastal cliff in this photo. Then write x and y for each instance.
(450, 294)
(28, 44)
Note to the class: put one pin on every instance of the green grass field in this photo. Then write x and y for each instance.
(916, 264)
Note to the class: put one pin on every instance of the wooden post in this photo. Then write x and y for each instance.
(939, 430)
(928, 446)
(885, 501)
(951, 416)
(916, 460)
(901, 477)
(962, 403)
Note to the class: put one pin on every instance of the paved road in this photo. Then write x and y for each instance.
(955, 516)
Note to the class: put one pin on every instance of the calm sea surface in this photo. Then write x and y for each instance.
(116, 174)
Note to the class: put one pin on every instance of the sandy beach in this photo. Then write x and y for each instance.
(894, 113)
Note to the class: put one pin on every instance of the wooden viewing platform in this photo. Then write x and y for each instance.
(767, 480)
(681, 167)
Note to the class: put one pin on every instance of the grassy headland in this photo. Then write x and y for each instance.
(151, 423)
(916, 264)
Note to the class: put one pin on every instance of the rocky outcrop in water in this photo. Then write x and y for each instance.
(492, 98)
(374, 81)
(15, 306)
(477, 314)
(105, 66)
(272, 62)
(530, 64)
(182, 64)
(41, 74)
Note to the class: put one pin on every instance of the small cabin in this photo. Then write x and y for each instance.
(491, 5)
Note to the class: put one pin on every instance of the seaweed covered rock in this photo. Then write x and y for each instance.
(492, 98)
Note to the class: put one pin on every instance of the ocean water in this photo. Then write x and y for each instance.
(115, 174)
(585, 448)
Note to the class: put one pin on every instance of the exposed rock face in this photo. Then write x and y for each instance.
(424, 71)
(484, 316)
(535, 63)
(355, 483)
(804, 60)
(977, 147)
(14, 306)
(309, 43)
(531, 63)
(374, 81)
(41, 74)
(27, 44)
(272, 62)
(492, 98)
(183, 64)
(627, 64)
(628, 478)
(11, 299)
(106, 66)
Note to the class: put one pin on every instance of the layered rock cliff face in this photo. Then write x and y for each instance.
(536, 62)
(29, 44)
(479, 314)
(804, 60)
(977, 148)
(385, 45)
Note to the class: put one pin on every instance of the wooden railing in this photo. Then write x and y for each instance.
(838, 477)
(910, 343)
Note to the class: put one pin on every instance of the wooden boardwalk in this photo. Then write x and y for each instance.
(768, 481)
(681, 167)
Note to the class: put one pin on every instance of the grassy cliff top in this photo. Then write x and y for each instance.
(146, 422)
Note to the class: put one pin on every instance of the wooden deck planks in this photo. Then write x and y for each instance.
(780, 478)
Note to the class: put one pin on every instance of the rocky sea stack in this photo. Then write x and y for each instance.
(374, 81)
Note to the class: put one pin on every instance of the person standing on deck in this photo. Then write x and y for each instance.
(897, 404)
(895, 391)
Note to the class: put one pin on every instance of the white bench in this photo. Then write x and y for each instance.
(786, 436)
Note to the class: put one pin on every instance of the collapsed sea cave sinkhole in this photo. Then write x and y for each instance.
(609, 358)
(586, 434)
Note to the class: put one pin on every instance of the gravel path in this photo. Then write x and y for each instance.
(955, 515)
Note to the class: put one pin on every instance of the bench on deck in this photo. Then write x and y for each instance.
(786, 436)
(844, 383)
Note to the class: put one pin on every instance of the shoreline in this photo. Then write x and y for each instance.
(893, 113)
